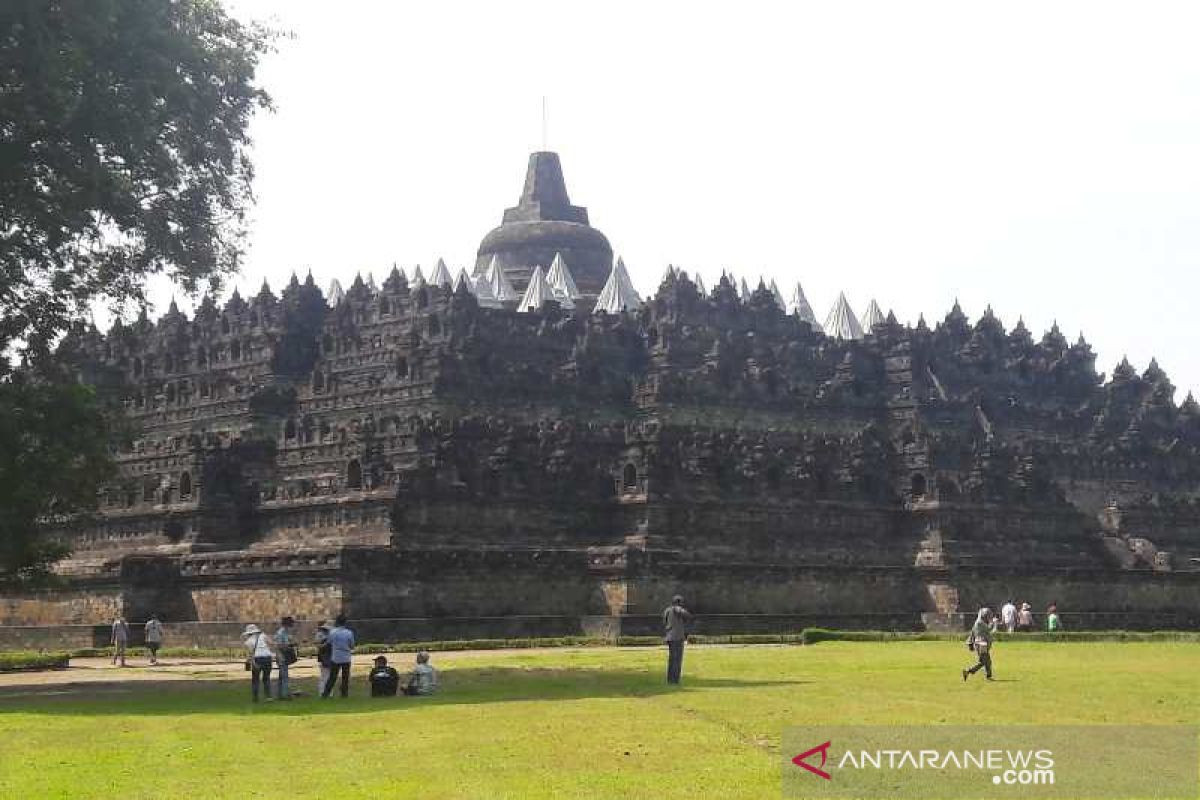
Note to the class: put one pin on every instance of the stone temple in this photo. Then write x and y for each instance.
(529, 448)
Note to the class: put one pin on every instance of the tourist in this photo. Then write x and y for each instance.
(321, 640)
(120, 639)
(154, 637)
(341, 644)
(258, 660)
(384, 680)
(1053, 623)
(980, 641)
(1025, 618)
(675, 621)
(285, 652)
(423, 679)
(1008, 613)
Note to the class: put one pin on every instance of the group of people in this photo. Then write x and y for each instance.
(335, 649)
(982, 635)
(1020, 619)
(120, 638)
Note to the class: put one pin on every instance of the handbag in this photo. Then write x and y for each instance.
(290, 656)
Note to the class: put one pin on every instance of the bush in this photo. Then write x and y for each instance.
(814, 635)
(21, 662)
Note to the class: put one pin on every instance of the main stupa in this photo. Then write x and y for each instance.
(543, 224)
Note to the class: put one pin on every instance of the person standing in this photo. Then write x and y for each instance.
(154, 637)
(980, 641)
(341, 646)
(1053, 623)
(1008, 614)
(120, 639)
(258, 659)
(676, 619)
(1025, 618)
(286, 655)
(321, 640)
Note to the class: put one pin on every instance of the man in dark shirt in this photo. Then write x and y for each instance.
(384, 679)
(675, 622)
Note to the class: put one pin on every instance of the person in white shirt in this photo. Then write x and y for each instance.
(259, 656)
(154, 637)
(120, 639)
(423, 679)
(1008, 614)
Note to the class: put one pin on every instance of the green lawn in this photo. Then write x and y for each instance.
(563, 723)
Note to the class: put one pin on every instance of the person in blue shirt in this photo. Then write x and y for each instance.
(341, 644)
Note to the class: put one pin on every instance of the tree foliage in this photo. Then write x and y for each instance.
(54, 449)
(124, 153)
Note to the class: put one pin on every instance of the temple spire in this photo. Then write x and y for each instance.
(502, 288)
(618, 293)
(537, 293)
(841, 322)
(873, 316)
(561, 282)
(800, 307)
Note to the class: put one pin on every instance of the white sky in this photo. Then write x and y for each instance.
(1041, 157)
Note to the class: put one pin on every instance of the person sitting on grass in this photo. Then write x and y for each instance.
(384, 680)
(423, 679)
(980, 641)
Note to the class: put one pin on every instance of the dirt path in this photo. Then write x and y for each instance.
(99, 674)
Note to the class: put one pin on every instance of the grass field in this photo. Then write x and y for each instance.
(559, 723)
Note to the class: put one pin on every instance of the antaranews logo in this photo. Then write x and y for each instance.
(989, 761)
(1009, 767)
(823, 749)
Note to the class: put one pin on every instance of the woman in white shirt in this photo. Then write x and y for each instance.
(259, 656)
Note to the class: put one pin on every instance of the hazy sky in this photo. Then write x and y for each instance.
(1041, 157)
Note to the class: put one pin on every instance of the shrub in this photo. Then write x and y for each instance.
(20, 662)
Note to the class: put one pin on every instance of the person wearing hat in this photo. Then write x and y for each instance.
(980, 641)
(675, 621)
(1025, 618)
(321, 640)
(384, 680)
(259, 656)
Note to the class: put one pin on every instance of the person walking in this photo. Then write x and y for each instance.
(980, 641)
(258, 660)
(321, 640)
(154, 637)
(120, 639)
(676, 619)
(1008, 614)
(285, 656)
(341, 645)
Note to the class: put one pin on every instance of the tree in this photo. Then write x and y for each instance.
(54, 449)
(123, 154)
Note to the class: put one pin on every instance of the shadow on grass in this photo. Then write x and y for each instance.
(459, 686)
